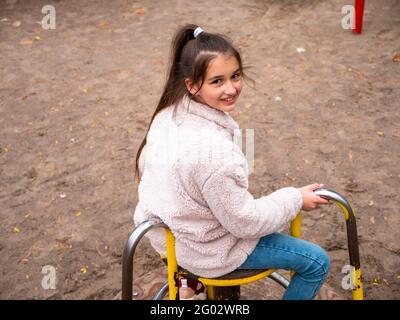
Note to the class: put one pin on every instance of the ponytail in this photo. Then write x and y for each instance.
(174, 90)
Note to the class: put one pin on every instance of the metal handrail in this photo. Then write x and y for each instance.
(128, 254)
(352, 237)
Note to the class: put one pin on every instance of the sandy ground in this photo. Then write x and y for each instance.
(76, 101)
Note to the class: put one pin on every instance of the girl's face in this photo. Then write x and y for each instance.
(222, 85)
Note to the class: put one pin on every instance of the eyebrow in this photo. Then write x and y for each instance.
(217, 77)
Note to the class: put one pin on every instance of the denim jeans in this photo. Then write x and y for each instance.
(281, 251)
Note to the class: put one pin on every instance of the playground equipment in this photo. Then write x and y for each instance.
(228, 286)
(359, 13)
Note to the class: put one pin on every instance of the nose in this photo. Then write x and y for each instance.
(230, 88)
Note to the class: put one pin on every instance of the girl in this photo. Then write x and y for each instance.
(194, 177)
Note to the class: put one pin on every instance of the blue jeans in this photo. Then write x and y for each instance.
(281, 251)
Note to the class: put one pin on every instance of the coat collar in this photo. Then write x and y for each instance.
(223, 119)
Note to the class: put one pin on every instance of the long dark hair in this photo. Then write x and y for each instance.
(190, 58)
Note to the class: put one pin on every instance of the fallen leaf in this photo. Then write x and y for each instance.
(16, 24)
(106, 114)
(38, 38)
(278, 98)
(138, 10)
(300, 50)
(396, 57)
(350, 156)
(371, 203)
(77, 213)
(380, 133)
(62, 195)
(84, 269)
(17, 230)
(26, 42)
(102, 24)
(372, 220)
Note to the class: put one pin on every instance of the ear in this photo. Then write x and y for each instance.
(190, 87)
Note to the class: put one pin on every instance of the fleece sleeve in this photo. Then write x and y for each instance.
(226, 193)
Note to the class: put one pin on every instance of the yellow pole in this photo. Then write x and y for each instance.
(172, 264)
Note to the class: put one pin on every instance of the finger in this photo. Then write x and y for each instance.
(322, 200)
(315, 186)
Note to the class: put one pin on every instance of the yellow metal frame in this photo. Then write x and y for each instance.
(295, 230)
(173, 271)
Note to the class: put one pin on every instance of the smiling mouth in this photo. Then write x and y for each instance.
(230, 99)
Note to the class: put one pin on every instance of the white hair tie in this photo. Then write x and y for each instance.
(197, 31)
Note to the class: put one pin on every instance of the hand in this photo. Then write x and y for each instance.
(310, 199)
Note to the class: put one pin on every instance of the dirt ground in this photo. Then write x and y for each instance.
(76, 101)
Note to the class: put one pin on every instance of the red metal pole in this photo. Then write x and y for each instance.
(359, 13)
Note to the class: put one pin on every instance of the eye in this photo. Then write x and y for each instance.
(216, 81)
(236, 76)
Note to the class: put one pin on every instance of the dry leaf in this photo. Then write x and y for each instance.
(26, 42)
(350, 156)
(16, 24)
(371, 203)
(102, 24)
(77, 213)
(372, 220)
(380, 133)
(138, 10)
(84, 269)
(38, 38)
(17, 230)
(396, 58)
